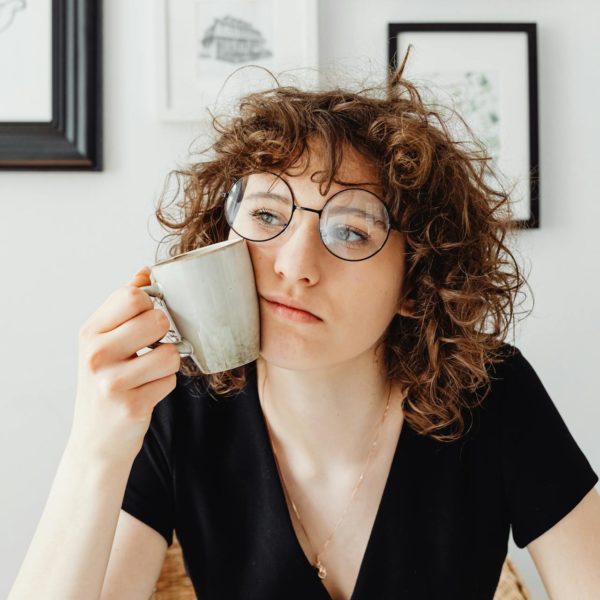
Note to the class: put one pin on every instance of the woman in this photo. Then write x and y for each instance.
(386, 439)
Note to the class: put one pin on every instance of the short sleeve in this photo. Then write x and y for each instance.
(546, 473)
(149, 493)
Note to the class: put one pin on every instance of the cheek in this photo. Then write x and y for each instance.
(371, 298)
(370, 306)
(261, 259)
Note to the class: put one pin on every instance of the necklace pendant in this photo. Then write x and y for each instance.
(322, 571)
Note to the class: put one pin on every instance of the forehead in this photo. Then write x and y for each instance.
(355, 168)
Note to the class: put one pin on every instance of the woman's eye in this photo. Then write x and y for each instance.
(265, 217)
(346, 234)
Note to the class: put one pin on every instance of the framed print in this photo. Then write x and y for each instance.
(203, 43)
(487, 72)
(50, 69)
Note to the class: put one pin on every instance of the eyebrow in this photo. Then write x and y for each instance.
(350, 210)
(270, 195)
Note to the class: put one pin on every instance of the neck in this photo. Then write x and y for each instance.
(325, 419)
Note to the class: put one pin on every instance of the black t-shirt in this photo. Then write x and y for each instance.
(207, 470)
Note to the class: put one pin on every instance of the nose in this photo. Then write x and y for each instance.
(299, 249)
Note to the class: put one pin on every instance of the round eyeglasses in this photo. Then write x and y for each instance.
(354, 224)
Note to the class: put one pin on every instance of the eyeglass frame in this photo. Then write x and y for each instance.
(391, 221)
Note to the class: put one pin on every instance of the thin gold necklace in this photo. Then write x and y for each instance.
(317, 564)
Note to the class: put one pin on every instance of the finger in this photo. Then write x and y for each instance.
(133, 335)
(159, 362)
(122, 305)
(141, 278)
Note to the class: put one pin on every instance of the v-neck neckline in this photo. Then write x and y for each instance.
(404, 434)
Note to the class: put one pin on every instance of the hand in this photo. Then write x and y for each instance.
(117, 389)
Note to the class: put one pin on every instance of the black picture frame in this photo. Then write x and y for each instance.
(72, 140)
(530, 30)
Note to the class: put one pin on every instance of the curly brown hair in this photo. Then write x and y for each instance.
(460, 278)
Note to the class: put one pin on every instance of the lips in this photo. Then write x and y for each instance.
(291, 303)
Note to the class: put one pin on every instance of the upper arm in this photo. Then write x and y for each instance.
(567, 556)
(135, 562)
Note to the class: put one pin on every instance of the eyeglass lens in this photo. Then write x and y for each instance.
(354, 224)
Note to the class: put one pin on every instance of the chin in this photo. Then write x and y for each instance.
(289, 349)
(288, 352)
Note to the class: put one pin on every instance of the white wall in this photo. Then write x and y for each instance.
(68, 239)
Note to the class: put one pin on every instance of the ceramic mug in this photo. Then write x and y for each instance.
(210, 296)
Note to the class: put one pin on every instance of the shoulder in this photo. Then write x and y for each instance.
(193, 405)
(517, 415)
(184, 404)
(189, 391)
(510, 363)
(544, 471)
(514, 383)
(522, 400)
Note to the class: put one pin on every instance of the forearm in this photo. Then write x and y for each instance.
(68, 556)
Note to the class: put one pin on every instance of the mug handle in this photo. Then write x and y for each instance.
(183, 347)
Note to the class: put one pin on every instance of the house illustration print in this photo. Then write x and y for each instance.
(234, 41)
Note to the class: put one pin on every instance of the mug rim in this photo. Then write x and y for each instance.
(210, 249)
